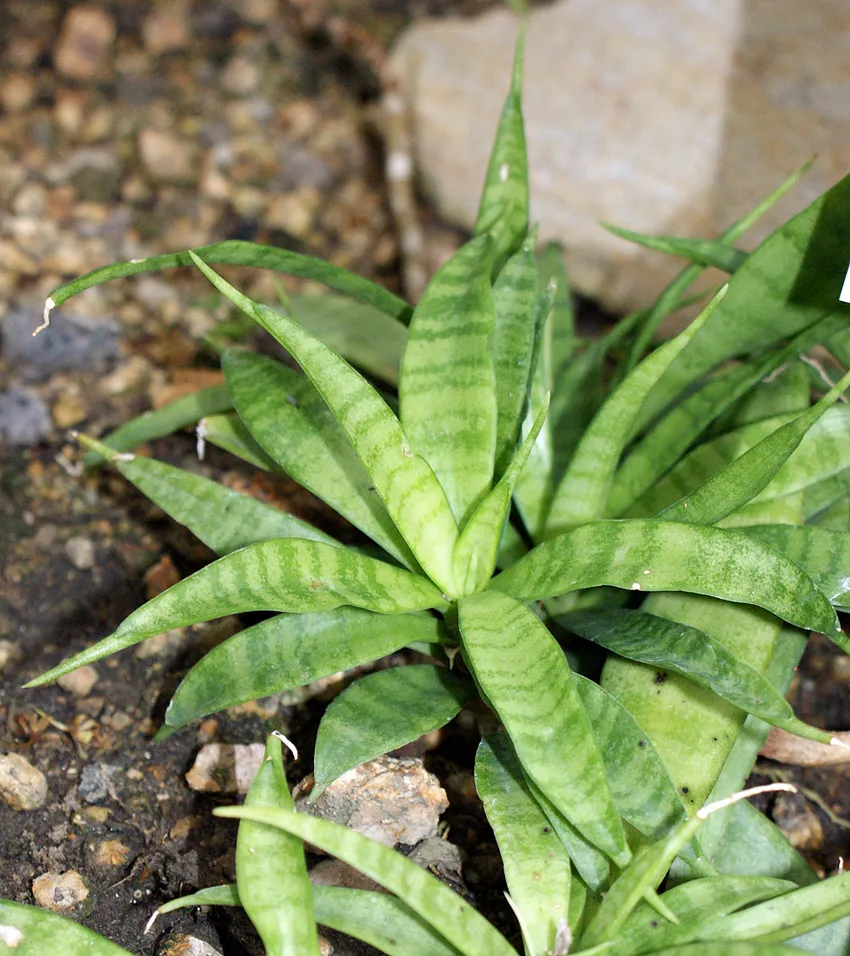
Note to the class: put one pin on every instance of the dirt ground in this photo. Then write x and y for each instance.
(157, 127)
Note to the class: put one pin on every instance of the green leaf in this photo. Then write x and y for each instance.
(381, 921)
(381, 712)
(225, 895)
(792, 280)
(271, 872)
(476, 550)
(702, 252)
(524, 675)
(823, 554)
(744, 478)
(515, 301)
(367, 337)
(448, 391)
(445, 911)
(552, 271)
(643, 874)
(223, 519)
(645, 795)
(290, 650)
(729, 949)
(800, 911)
(694, 904)
(163, 421)
(677, 557)
(291, 421)
(685, 650)
(824, 494)
(406, 484)
(582, 493)
(31, 931)
(537, 867)
(284, 574)
(230, 433)
(238, 253)
(503, 210)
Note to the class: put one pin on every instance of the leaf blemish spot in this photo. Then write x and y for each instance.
(504, 172)
(636, 585)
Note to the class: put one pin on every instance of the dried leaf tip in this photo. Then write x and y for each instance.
(710, 808)
(49, 306)
(290, 746)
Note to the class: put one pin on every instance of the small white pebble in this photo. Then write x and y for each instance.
(399, 167)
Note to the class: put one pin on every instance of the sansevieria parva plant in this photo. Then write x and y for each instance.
(529, 496)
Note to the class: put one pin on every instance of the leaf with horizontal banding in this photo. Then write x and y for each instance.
(476, 550)
(382, 712)
(583, 491)
(524, 675)
(449, 914)
(447, 391)
(743, 479)
(792, 280)
(677, 557)
(184, 411)
(695, 904)
(694, 654)
(32, 931)
(291, 650)
(294, 426)
(231, 434)
(223, 519)
(271, 872)
(824, 494)
(236, 252)
(284, 574)
(822, 553)
(536, 864)
(503, 210)
(405, 482)
(515, 299)
(702, 252)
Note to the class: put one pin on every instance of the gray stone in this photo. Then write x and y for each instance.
(80, 551)
(71, 343)
(668, 118)
(24, 418)
(96, 782)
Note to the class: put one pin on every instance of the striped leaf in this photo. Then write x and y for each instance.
(223, 519)
(448, 391)
(289, 651)
(292, 423)
(503, 210)
(703, 252)
(235, 252)
(581, 495)
(382, 712)
(230, 433)
(445, 911)
(406, 484)
(284, 574)
(665, 556)
(271, 872)
(537, 867)
(524, 675)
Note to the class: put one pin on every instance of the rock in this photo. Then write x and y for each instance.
(166, 29)
(17, 91)
(22, 786)
(225, 768)
(80, 681)
(10, 654)
(671, 118)
(24, 418)
(96, 174)
(390, 799)
(793, 814)
(334, 872)
(96, 782)
(241, 76)
(181, 944)
(110, 856)
(88, 33)
(71, 343)
(293, 212)
(60, 892)
(167, 158)
(439, 857)
(80, 551)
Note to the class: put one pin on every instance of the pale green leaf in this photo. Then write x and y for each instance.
(32, 931)
(702, 252)
(231, 433)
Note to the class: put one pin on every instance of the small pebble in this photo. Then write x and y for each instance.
(60, 892)
(181, 944)
(225, 768)
(79, 682)
(80, 551)
(24, 418)
(88, 33)
(10, 654)
(167, 158)
(22, 786)
(95, 782)
(110, 855)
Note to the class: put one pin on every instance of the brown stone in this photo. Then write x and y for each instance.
(225, 768)
(79, 682)
(168, 158)
(88, 33)
(60, 892)
(22, 786)
(17, 91)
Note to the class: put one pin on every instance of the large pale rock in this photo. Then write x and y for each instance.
(672, 117)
